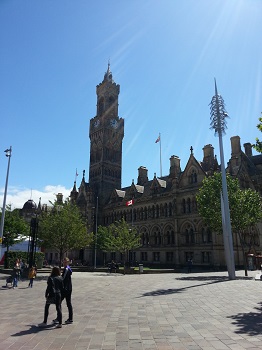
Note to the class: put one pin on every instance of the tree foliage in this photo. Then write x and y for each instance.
(63, 228)
(245, 205)
(15, 228)
(118, 237)
(258, 144)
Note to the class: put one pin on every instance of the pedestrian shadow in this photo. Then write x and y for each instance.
(213, 278)
(6, 288)
(26, 280)
(178, 290)
(32, 330)
(248, 323)
(207, 279)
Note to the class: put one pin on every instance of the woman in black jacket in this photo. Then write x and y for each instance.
(67, 292)
(53, 295)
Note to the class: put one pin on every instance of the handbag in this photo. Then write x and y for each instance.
(51, 299)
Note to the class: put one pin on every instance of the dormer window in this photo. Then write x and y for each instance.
(193, 177)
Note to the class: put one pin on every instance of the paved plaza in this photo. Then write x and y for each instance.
(155, 311)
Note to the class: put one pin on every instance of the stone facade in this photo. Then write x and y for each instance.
(164, 210)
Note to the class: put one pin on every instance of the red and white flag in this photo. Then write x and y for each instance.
(131, 202)
(158, 139)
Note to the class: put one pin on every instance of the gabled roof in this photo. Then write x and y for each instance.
(139, 188)
(120, 193)
(157, 184)
(191, 162)
(162, 183)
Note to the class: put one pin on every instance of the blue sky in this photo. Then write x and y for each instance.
(163, 54)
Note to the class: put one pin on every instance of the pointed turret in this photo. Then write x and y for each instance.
(108, 74)
(74, 193)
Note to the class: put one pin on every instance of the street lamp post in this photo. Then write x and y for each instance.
(218, 123)
(8, 153)
(32, 240)
(96, 232)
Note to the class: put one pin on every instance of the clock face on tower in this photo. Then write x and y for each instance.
(114, 123)
(96, 123)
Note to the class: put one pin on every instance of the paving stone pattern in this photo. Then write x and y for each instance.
(155, 312)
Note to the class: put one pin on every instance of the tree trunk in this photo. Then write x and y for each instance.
(243, 252)
(60, 258)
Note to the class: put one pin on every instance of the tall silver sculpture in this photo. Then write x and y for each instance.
(218, 123)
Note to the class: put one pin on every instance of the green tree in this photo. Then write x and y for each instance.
(245, 207)
(15, 228)
(63, 228)
(258, 144)
(118, 237)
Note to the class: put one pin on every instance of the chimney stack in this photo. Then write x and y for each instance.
(248, 149)
(142, 176)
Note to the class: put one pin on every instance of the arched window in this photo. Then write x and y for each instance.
(101, 106)
(204, 235)
(165, 210)
(188, 205)
(161, 210)
(141, 214)
(184, 206)
(187, 236)
(144, 237)
(153, 212)
(192, 236)
(157, 211)
(157, 236)
(194, 205)
(172, 237)
(168, 238)
(170, 209)
(111, 100)
(209, 235)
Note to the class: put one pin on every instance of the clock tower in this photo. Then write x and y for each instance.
(106, 132)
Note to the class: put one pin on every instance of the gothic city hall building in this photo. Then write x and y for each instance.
(164, 209)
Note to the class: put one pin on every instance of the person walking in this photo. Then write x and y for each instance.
(31, 276)
(53, 295)
(16, 273)
(22, 267)
(189, 265)
(67, 292)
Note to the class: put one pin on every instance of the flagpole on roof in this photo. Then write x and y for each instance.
(132, 214)
(76, 175)
(159, 140)
(160, 156)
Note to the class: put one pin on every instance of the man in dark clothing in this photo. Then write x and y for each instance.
(67, 292)
(66, 275)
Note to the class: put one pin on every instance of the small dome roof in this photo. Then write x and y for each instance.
(30, 205)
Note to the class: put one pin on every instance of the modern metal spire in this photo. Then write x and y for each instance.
(218, 123)
(218, 113)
